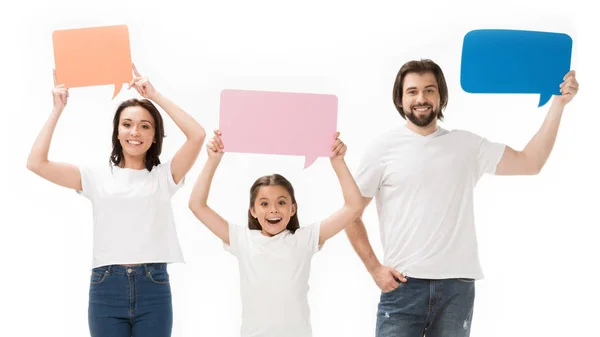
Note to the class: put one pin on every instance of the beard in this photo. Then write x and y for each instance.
(419, 120)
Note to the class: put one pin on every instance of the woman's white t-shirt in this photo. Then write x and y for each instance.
(133, 217)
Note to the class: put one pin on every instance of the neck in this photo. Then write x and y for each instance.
(422, 130)
(134, 163)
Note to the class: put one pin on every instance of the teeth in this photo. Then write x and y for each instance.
(133, 142)
(274, 219)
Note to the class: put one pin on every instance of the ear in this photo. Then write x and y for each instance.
(253, 212)
(293, 210)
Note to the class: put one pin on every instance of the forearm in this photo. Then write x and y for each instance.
(199, 196)
(357, 234)
(540, 146)
(351, 192)
(41, 146)
(188, 125)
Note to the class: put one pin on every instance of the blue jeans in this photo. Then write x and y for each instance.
(130, 301)
(432, 308)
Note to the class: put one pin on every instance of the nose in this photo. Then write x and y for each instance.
(421, 98)
(134, 131)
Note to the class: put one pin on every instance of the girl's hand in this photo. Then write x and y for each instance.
(214, 147)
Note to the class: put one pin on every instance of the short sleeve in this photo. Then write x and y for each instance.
(88, 182)
(369, 174)
(308, 236)
(237, 235)
(489, 156)
(166, 178)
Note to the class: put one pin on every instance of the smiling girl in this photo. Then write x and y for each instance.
(273, 251)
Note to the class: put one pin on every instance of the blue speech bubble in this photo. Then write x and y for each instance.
(515, 62)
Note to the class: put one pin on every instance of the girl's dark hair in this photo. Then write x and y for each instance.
(153, 153)
(272, 180)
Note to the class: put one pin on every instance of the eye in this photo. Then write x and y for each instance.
(126, 124)
(411, 92)
(145, 126)
(264, 203)
(282, 202)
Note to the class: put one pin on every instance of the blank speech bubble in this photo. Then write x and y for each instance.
(265, 122)
(515, 62)
(93, 56)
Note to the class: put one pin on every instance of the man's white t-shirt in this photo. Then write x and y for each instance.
(274, 273)
(133, 217)
(423, 188)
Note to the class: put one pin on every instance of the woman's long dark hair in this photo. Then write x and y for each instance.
(153, 153)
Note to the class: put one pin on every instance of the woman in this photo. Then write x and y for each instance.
(134, 229)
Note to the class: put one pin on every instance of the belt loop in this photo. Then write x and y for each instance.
(146, 269)
(109, 268)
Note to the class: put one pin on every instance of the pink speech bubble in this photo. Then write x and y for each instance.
(265, 122)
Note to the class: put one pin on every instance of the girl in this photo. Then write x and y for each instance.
(134, 230)
(273, 251)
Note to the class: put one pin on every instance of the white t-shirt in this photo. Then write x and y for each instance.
(133, 218)
(274, 274)
(423, 189)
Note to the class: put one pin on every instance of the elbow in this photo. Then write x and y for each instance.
(193, 206)
(355, 211)
(535, 168)
(198, 135)
(33, 165)
(196, 208)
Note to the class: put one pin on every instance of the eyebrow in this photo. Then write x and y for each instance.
(429, 86)
(143, 120)
(281, 196)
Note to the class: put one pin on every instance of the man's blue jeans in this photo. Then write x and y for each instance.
(431, 308)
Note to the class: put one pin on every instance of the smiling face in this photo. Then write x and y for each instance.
(136, 131)
(273, 206)
(420, 94)
(273, 209)
(420, 98)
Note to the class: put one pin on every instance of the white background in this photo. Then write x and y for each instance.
(537, 235)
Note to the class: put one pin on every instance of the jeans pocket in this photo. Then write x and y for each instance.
(158, 275)
(98, 275)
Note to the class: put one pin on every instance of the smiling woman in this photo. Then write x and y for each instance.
(138, 133)
(131, 199)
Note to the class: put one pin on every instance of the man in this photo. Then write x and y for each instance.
(423, 177)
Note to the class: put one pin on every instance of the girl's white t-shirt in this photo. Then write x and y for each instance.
(133, 217)
(274, 273)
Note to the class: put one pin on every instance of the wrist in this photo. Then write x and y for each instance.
(372, 268)
(157, 97)
(57, 111)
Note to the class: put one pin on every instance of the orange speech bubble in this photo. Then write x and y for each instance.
(92, 56)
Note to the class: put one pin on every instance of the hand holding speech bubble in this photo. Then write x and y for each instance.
(515, 62)
(265, 122)
(93, 56)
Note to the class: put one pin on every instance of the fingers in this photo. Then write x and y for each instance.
(211, 146)
(569, 84)
(398, 275)
(569, 74)
(390, 285)
(340, 149)
(135, 81)
(135, 72)
(217, 139)
(61, 92)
